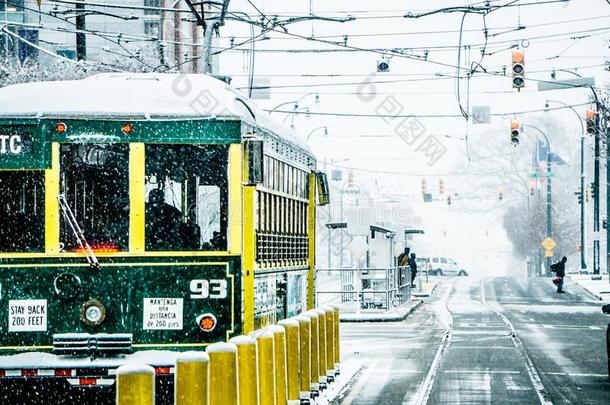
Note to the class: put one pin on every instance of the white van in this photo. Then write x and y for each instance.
(443, 266)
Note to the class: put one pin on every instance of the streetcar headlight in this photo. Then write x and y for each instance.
(93, 313)
(206, 322)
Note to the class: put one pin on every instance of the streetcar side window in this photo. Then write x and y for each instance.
(186, 197)
(95, 182)
(22, 211)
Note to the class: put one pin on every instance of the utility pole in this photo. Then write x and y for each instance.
(596, 233)
(607, 131)
(549, 216)
(81, 37)
(583, 256)
(197, 9)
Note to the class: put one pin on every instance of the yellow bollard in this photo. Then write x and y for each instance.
(223, 374)
(337, 340)
(247, 369)
(191, 379)
(135, 385)
(330, 341)
(321, 347)
(279, 348)
(266, 366)
(305, 356)
(293, 359)
(315, 355)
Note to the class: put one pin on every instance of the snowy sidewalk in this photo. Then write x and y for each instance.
(597, 288)
(426, 290)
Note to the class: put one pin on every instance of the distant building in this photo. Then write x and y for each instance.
(119, 36)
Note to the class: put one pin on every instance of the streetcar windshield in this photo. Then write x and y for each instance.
(95, 181)
(22, 211)
(186, 197)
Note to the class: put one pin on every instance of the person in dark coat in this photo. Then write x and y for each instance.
(559, 269)
(413, 266)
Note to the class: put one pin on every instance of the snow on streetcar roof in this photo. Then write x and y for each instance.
(155, 96)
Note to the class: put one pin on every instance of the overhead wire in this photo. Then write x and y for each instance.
(40, 12)
(363, 115)
(55, 55)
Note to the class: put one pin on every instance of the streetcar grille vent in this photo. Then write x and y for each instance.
(92, 344)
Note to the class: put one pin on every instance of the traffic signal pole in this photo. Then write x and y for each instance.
(583, 248)
(549, 218)
(596, 232)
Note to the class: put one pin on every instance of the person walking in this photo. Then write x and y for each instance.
(559, 269)
(413, 266)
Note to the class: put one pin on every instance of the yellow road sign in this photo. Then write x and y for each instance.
(548, 253)
(548, 244)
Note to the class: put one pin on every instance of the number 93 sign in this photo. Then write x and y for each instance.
(208, 289)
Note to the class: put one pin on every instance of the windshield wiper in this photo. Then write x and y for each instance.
(78, 233)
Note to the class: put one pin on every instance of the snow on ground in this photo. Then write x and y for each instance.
(599, 288)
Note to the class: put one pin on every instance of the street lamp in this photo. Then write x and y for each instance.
(296, 108)
(314, 130)
(292, 114)
(554, 73)
(583, 261)
(549, 223)
(296, 103)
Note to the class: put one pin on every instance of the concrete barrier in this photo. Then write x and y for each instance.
(330, 342)
(135, 385)
(322, 380)
(293, 359)
(279, 349)
(314, 353)
(337, 356)
(191, 379)
(305, 356)
(224, 386)
(266, 366)
(247, 369)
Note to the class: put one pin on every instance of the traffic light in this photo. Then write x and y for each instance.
(518, 69)
(579, 195)
(605, 222)
(441, 186)
(424, 187)
(500, 195)
(515, 126)
(593, 191)
(449, 200)
(589, 193)
(591, 117)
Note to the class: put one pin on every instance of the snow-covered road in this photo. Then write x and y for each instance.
(457, 349)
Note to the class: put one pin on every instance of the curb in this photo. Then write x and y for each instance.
(589, 292)
(396, 318)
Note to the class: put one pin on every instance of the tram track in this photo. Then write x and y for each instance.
(425, 390)
(532, 372)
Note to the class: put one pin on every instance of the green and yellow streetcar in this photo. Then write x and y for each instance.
(142, 215)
